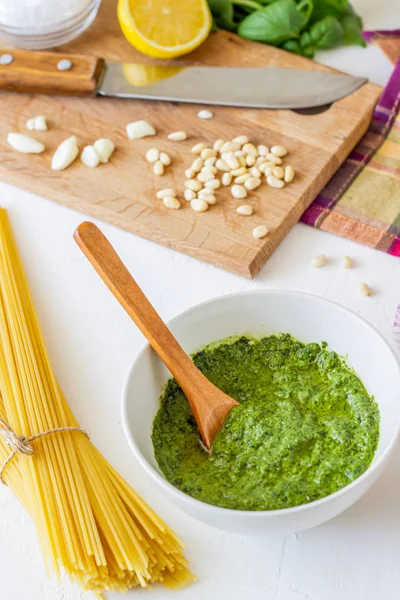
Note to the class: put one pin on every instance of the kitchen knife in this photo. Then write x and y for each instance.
(255, 87)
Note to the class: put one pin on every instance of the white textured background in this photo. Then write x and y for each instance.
(92, 343)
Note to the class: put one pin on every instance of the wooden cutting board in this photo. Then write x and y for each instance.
(123, 191)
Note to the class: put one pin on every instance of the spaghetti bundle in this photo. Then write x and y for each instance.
(89, 521)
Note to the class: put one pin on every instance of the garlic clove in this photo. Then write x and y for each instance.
(89, 157)
(24, 143)
(139, 129)
(104, 148)
(65, 154)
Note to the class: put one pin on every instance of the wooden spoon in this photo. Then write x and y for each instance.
(209, 405)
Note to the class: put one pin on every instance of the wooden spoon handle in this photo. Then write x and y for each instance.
(45, 72)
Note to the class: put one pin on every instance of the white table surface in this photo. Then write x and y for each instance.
(92, 343)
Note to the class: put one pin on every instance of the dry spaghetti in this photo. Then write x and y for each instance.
(89, 521)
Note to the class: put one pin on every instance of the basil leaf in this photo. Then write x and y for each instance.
(352, 28)
(326, 33)
(292, 46)
(222, 12)
(328, 8)
(275, 23)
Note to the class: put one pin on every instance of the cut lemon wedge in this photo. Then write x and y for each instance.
(164, 28)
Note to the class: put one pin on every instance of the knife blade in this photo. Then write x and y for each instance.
(254, 87)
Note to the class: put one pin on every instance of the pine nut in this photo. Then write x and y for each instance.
(241, 139)
(238, 191)
(239, 171)
(252, 183)
(197, 165)
(205, 175)
(199, 205)
(250, 160)
(347, 262)
(245, 209)
(213, 184)
(139, 129)
(319, 261)
(250, 148)
(222, 165)
(275, 159)
(177, 136)
(208, 153)
(218, 144)
(152, 155)
(226, 179)
(193, 184)
(279, 151)
(274, 182)
(24, 143)
(230, 147)
(289, 174)
(205, 193)
(165, 192)
(239, 153)
(211, 200)
(232, 161)
(364, 290)
(260, 231)
(165, 158)
(255, 172)
(242, 161)
(89, 157)
(197, 148)
(210, 162)
(205, 114)
(242, 178)
(278, 172)
(262, 150)
(190, 173)
(158, 168)
(104, 148)
(189, 195)
(171, 202)
(265, 165)
(268, 171)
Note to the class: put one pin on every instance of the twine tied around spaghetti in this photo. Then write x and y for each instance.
(23, 445)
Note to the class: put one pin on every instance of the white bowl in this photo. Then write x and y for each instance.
(309, 319)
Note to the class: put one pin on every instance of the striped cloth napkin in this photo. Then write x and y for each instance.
(362, 200)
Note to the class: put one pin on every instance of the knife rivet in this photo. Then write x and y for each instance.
(64, 65)
(6, 59)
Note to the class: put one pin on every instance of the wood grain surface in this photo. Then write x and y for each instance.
(123, 192)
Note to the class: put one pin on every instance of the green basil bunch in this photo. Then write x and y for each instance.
(299, 26)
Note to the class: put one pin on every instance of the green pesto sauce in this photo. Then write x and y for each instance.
(305, 428)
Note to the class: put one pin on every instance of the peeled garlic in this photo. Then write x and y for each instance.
(65, 154)
(89, 157)
(37, 123)
(139, 129)
(24, 143)
(104, 148)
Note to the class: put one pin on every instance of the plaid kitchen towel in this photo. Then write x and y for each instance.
(362, 200)
(387, 41)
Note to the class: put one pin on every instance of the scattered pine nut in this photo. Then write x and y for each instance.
(208, 153)
(65, 154)
(177, 136)
(213, 184)
(226, 179)
(190, 173)
(364, 290)
(252, 183)
(165, 192)
(211, 200)
(193, 184)
(347, 262)
(152, 155)
(274, 182)
(158, 168)
(238, 191)
(245, 209)
(255, 172)
(250, 160)
(232, 161)
(218, 144)
(279, 151)
(199, 205)
(250, 148)
(25, 144)
(265, 165)
(241, 139)
(205, 193)
(104, 148)
(239, 153)
(197, 165)
(210, 162)
(239, 171)
(319, 261)
(278, 172)
(289, 174)
(89, 157)
(262, 150)
(260, 231)
(242, 161)
(275, 159)
(230, 147)
(197, 148)
(242, 178)
(205, 175)
(189, 195)
(139, 129)
(205, 114)
(222, 165)
(171, 202)
(165, 158)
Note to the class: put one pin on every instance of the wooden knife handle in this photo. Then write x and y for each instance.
(43, 72)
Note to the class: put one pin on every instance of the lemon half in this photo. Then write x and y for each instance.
(164, 28)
